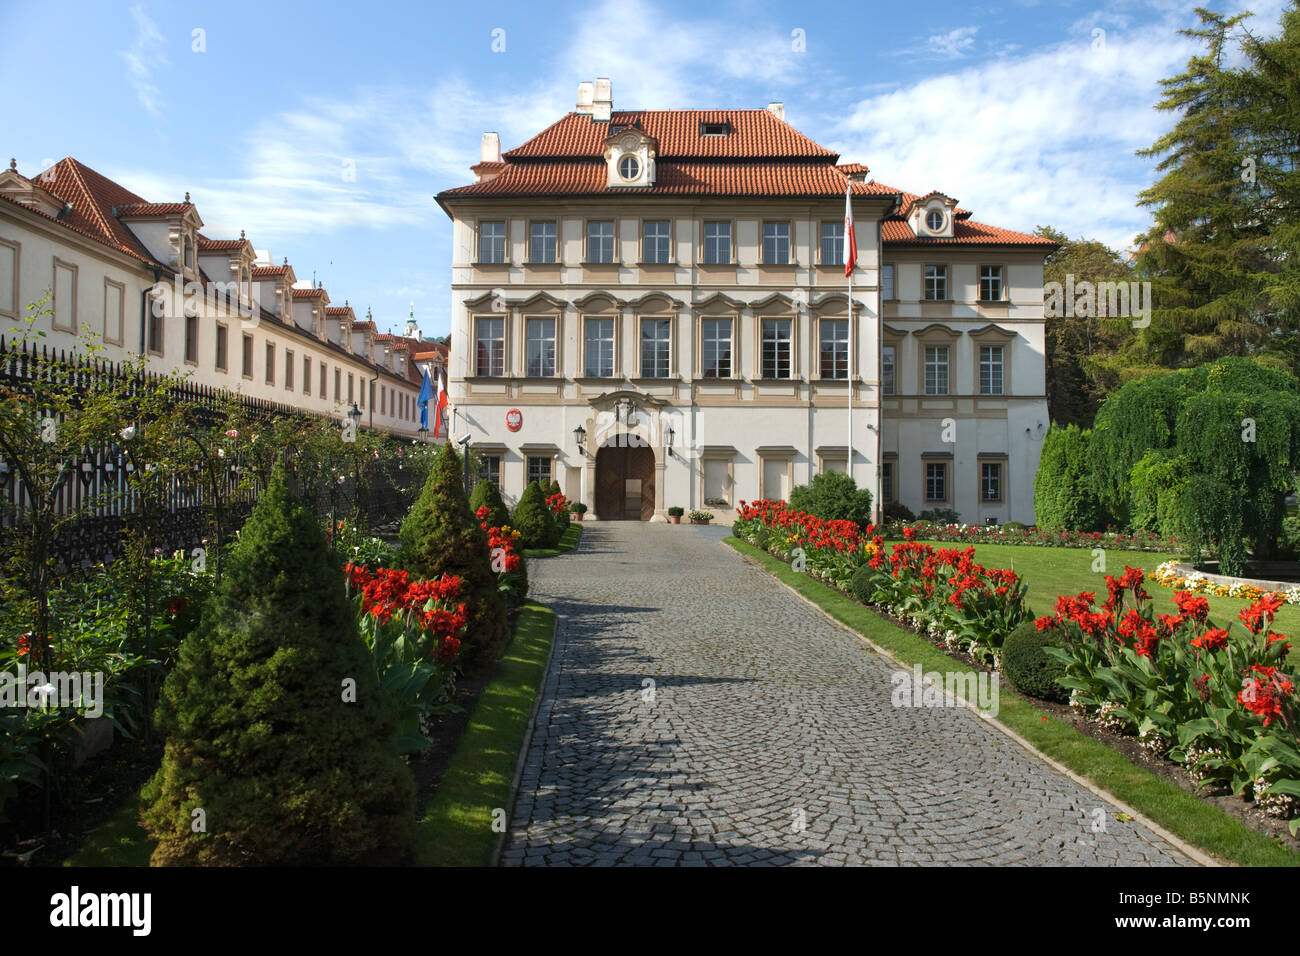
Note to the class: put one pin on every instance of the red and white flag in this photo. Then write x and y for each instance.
(850, 240)
(441, 405)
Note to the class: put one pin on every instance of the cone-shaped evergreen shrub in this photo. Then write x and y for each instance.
(260, 736)
(486, 493)
(441, 536)
(534, 521)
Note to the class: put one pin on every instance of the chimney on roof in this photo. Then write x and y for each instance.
(586, 96)
(777, 110)
(602, 104)
(490, 151)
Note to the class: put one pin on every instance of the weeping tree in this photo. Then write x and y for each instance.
(1205, 454)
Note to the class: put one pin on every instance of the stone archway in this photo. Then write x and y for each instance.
(625, 480)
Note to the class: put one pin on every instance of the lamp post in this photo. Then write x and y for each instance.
(354, 413)
(464, 450)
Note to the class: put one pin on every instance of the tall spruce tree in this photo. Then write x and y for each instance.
(266, 749)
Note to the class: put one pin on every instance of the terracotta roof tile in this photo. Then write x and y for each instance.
(269, 272)
(589, 177)
(140, 209)
(338, 310)
(898, 232)
(755, 133)
(221, 245)
(308, 293)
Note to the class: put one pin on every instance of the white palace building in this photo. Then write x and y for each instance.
(650, 307)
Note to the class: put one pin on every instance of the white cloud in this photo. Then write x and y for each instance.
(1041, 138)
(147, 53)
(954, 43)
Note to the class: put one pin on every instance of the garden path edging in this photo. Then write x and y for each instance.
(1193, 853)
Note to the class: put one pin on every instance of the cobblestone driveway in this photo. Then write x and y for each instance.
(763, 717)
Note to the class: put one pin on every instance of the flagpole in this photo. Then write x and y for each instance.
(849, 462)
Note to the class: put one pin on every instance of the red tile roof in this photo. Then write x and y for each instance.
(143, 209)
(588, 177)
(308, 293)
(754, 134)
(269, 272)
(93, 197)
(966, 232)
(335, 309)
(221, 245)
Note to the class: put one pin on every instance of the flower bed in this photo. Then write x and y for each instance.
(1214, 699)
(995, 534)
(1167, 576)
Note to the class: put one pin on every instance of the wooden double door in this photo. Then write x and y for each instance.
(625, 483)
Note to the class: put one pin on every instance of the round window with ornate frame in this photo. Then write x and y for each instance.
(629, 167)
(934, 220)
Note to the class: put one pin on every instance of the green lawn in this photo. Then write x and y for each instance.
(457, 826)
(1050, 572)
(568, 541)
(1195, 821)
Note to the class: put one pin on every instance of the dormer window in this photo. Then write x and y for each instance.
(629, 167)
(934, 220)
(715, 129)
(630, 159)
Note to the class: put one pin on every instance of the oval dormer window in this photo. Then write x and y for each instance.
(629, 167)
(934, 220)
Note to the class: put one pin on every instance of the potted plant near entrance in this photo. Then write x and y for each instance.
(675, 514)
(578, 509)
(700, 517)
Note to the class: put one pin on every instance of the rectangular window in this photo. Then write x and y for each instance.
(306, 374)
(655, 245)
(715, 344)
(490, 346)
(887, 481)
(490, 468)
(491, 242)
(936, 370)
(598, 348)
(192, 339)
(288, 370)
(248, 357)
(717, 243)
(222, 336)
(887, 282)
(990, 370)
(991, 481)
(539, 469)
(270, 363)
(936, 283)
(777, 347)
(600, 240)
(835, 348)
(383, 399)
(324, 390)
(351, 396)
(888, 381)
(990, 283)
(114, 308)
(936, 481)
(776, 243)
(338, 384)
(655, 343)
(10, 253)
(832, 243)
(539, 339)
(65, 297)
(542, 242)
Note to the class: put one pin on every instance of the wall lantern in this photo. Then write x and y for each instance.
(580, 435)
(669, 442)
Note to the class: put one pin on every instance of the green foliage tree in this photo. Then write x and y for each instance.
(532, 518)
(440, 536)
(261, 736)
(487, 493)
(1207, 454)
(833, 496)
(1221, 284)
(1064, 498)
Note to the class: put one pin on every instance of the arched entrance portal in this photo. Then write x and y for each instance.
(625, 480)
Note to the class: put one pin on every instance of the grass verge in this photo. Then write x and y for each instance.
(568, 541)
(457, 825)
(1182, 814)
(119, 842)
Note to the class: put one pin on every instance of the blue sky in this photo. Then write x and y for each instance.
(1021, 110)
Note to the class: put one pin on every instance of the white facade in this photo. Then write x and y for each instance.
(143, 280)
(963, 437)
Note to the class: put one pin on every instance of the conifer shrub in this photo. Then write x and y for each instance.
(440, 535)
(534, 521)
(288, 766)
(487, 494)
(1029, 667)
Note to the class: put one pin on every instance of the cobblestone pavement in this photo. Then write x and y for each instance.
(763, 716)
